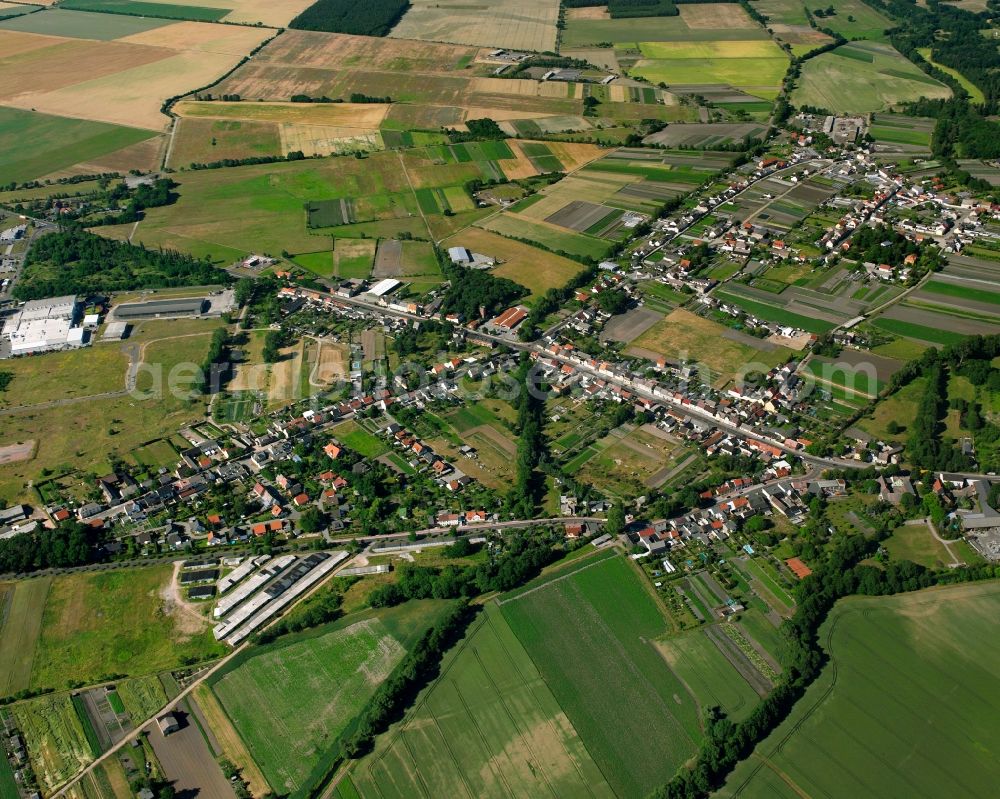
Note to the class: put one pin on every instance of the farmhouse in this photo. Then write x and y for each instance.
(168, 723)
(158, 309)
(44, 326)
(462, 256)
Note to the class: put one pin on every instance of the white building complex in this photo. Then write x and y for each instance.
(45, 325)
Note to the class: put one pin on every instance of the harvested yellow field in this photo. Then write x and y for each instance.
(515, 24)
(501, 114)
(351, 115)
(32, 69)
(122, 82)
(14, 42)
(715, 15)
(327, 139)
(536, 270)
(132, 97)
(574, 155)
(330, 363)
(520, 87)
(594, 12)
(235, 40)
(283, 386)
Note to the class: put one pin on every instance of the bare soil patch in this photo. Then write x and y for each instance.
(21, 451)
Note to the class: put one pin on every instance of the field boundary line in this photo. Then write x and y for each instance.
(554, 580)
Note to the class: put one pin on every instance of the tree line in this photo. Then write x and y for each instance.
(70, 544)
(519, 558)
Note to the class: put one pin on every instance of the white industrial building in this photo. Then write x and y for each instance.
(45, 325)
(384, 287)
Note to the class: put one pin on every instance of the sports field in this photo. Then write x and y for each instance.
(115, 622)
(515, 24)
(861, 77)
(488, 727)
(921, 732)
(33, 145)
(591, 635)
(291, 700)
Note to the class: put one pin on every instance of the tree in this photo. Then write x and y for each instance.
(615, 523)
(312, 520)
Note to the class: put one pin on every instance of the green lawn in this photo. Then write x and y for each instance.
(33, 145)
(591, 636)
(353, 436)
(311, 686)
(907, 705)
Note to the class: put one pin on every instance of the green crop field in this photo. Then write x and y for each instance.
(20, 625)
(141, 696)
(962, 292)
(112, 622)
(711, 677)
(855, 85)
(141, 9)
(591, 636)
(312, 685)
(488, 727)
(773, 313)
(82, 24)
(907, 705)
(549, 237)
(917, 331)
(33, 145)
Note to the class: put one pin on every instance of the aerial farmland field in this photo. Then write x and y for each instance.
(34, 145)
(123, 71)
(487, 727)
(22, 604)
(862, 77)
(597, 622)
(312, 685)
(683, 334)
(514, 24)
(76, 644)
(858, 729)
